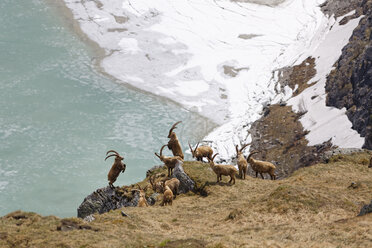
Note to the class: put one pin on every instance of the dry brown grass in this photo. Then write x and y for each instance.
(315, 207)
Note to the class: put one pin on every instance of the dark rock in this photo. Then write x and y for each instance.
(104, 200)
(366, 209)
(349, 85)
(186, 184)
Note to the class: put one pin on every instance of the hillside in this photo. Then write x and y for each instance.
(315, 206)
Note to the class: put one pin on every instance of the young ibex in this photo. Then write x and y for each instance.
(242, 163)
(200, 152)
(261, 166)
(223, 170)
(167, 196)
(142, 202)
(173, 184)
(170, 162)
(158, 187)
(174, 144)
(116, 168)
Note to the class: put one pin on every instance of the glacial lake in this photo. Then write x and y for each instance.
(59, 115)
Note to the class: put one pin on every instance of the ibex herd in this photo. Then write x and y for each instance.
(169, 188)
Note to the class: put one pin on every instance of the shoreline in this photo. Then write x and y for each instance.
(98, 54)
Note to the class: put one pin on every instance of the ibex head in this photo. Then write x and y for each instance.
(239, 152)
(171, 133)
(249, 156)
(193, 152)
(161, 153)
(114, 153)
(211, 161)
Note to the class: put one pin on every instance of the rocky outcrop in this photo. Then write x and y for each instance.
(339, 7)
(366, 209)
(349, 85)
(106, 199)
(186, 184)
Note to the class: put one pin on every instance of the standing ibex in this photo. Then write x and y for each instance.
(116, 168)
(223, 170)
(262, 166)
(142, 202)
(200, 152)
(170, 162)
(167, 196)
(242, 163)
(174, 144)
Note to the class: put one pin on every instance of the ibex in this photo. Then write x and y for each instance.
(142, 202)
(172, 183)
(157, 187)
(167, 196)
(262, 166)
(223, 170)
(170, 162)
(242, 163)
(174, 144)
(200, 152)
(116, 168)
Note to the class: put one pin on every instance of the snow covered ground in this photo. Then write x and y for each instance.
(214, 57)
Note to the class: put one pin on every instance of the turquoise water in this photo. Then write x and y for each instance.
(58, 116)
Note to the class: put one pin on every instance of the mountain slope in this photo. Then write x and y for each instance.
(316, 206)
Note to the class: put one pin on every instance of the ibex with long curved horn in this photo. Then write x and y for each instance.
(242, 163)
(200, 152)
(174, 144)
(116, 167)
(170, 162)
(223, 170)
(261, 166)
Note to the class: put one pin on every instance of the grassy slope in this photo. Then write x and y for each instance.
(313, 207)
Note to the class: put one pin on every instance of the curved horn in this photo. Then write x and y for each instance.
(161, 150)
(173, 127)
(112, 151)
(138, 186)
(157, 155)
(254, 152)
(111, 156)
(237, 150)
(197, 146)
(241, 149)
(192, 152)
(214, 156)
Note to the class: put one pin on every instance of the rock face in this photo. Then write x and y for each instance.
(349, 85)
(366, 209)
(103, 200)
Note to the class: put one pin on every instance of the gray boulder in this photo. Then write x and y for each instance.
(103, 200)
(366, 209)
(186, 184)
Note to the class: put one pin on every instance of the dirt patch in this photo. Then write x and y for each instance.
(247, 36)
(280, 138)
(271, 3)
(192, 243)
(232, 71)
(298, 76)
